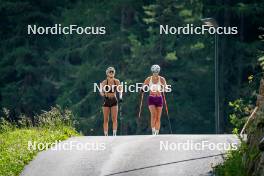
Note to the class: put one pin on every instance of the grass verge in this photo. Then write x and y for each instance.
(14, 153)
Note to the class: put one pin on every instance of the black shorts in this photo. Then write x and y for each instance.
(110, 102)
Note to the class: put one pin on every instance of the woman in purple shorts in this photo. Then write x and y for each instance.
(156, 85)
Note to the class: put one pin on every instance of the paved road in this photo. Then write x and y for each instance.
(131, 155)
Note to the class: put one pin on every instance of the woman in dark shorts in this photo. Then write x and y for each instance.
(156, 85)
(108, 88)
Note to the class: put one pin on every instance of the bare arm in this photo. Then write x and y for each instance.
(164, 83)
(146, 83)
(119, 88)
(102, 84)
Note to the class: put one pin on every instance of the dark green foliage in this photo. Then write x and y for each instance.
(37, 72)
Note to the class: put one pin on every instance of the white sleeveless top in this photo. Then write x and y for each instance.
(155, 87)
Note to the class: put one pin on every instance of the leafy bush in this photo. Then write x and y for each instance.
(5, 125)
(56, 117)
(240, 112)
(24, 122)
(233, 165)
(237, 161)
(234, 162)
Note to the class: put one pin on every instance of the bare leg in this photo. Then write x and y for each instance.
(152, 116)
(106, 111)
(114, 113)
(158, 116)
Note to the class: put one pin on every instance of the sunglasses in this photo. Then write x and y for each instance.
(111, 71)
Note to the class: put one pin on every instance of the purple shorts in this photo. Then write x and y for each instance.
(155, 100)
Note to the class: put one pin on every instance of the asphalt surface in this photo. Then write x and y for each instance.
(132, 155)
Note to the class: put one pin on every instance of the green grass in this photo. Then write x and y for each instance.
(14, 153)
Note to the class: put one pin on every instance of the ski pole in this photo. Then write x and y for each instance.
(166, 106)
(140, 107)
(121, 118)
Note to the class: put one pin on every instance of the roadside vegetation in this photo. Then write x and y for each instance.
(48, 127)
(245, 160)
(241, 162)
(233, 164)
